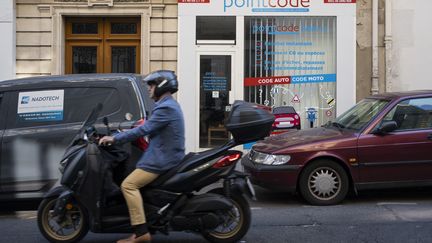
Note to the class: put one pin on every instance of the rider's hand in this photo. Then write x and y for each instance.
(106, 141)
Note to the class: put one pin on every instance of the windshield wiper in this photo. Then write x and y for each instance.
(334, 124)
(338, 125)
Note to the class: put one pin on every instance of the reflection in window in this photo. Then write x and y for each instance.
(412, 114)
(215, 84)
(86, 99)
(123, 59)
(123, 28)
(84, 28)
(84, 59)
(291, 61)
(216, 28)
(361, 114)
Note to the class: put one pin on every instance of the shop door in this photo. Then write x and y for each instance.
(102, 45)
(215, 79)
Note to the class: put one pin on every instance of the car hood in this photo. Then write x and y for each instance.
(296, 138)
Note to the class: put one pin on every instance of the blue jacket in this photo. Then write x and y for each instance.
(166, 132)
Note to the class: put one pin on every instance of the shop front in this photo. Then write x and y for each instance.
(292, 55)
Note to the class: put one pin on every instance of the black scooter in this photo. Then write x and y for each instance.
(175, 201)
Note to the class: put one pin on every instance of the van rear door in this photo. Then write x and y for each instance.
(39, 127)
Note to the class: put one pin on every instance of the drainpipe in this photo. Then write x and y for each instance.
(388, 42)
(375, 74)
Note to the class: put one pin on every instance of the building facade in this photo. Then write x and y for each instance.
(393, 50)
(7, 42)
(81, 36)
(296, 54)
(223, 50)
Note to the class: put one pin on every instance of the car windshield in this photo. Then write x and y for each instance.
(283, 110)
(359, 115)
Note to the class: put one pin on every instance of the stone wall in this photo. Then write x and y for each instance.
(36, 35)
(364, 48)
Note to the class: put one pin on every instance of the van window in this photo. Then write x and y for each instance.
(74, 106)
(79, 102)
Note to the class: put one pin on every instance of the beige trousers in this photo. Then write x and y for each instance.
(130, 188)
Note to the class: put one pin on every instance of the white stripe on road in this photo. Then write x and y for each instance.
(395, 203)
(255, 208)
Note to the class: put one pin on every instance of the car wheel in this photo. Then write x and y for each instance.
(323, 182)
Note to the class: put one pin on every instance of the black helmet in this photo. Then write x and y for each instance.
(165, 80)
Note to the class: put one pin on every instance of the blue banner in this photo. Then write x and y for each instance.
(318, 78)
(41, 116)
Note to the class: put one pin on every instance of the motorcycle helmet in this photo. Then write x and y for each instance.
(165, 80)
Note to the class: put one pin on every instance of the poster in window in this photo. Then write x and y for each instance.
(292, 57)
(40, 106)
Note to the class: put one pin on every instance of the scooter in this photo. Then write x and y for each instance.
(204, 194)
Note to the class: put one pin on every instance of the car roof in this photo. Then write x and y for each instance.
(55, 80)
(401, 94)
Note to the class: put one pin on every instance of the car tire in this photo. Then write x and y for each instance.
(323, 182)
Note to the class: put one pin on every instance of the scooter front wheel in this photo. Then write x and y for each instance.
(70, 228)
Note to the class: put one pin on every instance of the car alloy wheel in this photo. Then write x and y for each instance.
(323, 182)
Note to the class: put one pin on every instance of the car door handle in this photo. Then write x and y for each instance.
(429, 136)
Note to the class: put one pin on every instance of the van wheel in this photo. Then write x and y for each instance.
(72, 228)
(323, 182)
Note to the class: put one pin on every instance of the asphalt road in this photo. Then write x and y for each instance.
(374, 216)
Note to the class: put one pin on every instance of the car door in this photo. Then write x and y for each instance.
(402, 155)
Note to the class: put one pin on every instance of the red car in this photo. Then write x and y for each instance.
(286, 117)
(381, 142)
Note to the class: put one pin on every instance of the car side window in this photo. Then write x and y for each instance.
(412, 114)
(79, 102)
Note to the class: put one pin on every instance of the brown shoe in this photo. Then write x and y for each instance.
(146, 238)
(128, 240)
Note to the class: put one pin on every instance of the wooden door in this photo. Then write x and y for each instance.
(103, 45)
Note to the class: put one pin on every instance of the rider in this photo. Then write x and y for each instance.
(165, 129)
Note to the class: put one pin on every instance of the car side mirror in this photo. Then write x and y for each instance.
(128, 116)
(386, 127)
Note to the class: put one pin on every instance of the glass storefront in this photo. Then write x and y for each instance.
(215, 86)
(291, 61)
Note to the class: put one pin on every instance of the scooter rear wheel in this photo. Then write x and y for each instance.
(72, 228)
(236, 225)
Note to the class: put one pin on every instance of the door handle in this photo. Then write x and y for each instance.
(429, 136)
